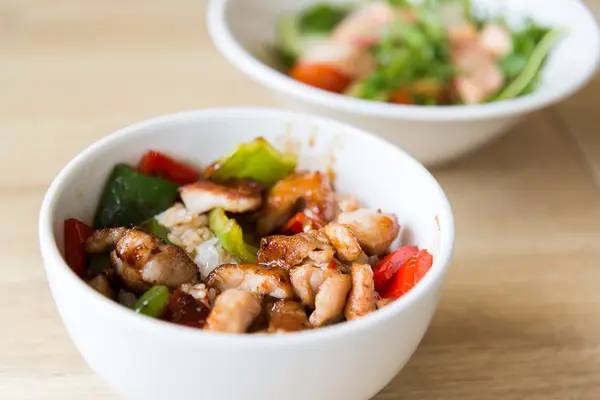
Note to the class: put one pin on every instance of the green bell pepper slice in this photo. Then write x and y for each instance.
(155, 228)
(130, 197)
(153, 302)
(257, 161)
(231, 236)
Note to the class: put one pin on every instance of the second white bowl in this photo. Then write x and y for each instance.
(243, 30)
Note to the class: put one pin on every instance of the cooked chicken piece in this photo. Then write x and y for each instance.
(103, 239)
(475, 57)
(322, 258)
(345, 242)
(363, 297)
(346, 203)
(374, 230)
(384, 302)
(287, 316)
(496, 39)
(481, 76)
(200, 197)
(292, 250)
(142, 260)
(101, 285)
(352, 61)
(463, 35)
(256, 279)
(365, 26)
(306, 281)
(312, 188)
(233, 312)
(330, 300)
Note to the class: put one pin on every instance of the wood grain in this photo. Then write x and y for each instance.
(519, 315)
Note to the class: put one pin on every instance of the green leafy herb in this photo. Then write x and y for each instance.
(408, 52)
(321, 18)
(512, 64)
(285, 58)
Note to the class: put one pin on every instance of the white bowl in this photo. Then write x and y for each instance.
(145, 359)
(242, 30)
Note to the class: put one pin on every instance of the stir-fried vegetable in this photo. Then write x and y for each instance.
(409, 274)
(130, 197)
(153, 302)
(300, 222)
(160, 165)
(154, 227)
(231, 237)
(76, 232)
(257, 161)
(183, 309)
(388, 266)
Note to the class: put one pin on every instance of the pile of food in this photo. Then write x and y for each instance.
(413, 52)
(249, 245)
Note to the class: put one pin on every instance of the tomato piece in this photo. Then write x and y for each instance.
(183, 309)
(411, 272)
(76, 233)
(321, 76)
(402, 96)
(386, 268)
(162, 166)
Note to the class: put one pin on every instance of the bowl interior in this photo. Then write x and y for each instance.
(252, 24)
(381, 175)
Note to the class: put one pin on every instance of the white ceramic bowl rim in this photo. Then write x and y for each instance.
(238, 55)
(54, 260)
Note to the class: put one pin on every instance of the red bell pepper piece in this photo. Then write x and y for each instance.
(160, 165)
(76, 233)
(294, 225)
(388, 266)
(411, 272)
(183, 309)
(299, 223)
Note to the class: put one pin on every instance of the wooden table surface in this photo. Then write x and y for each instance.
(519, 318)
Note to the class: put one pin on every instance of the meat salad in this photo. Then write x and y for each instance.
(249, 245)
(429, 52)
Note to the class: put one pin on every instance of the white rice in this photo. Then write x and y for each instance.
(190, 232)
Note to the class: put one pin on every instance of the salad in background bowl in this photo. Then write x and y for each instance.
(422, 53)
(553, 52)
